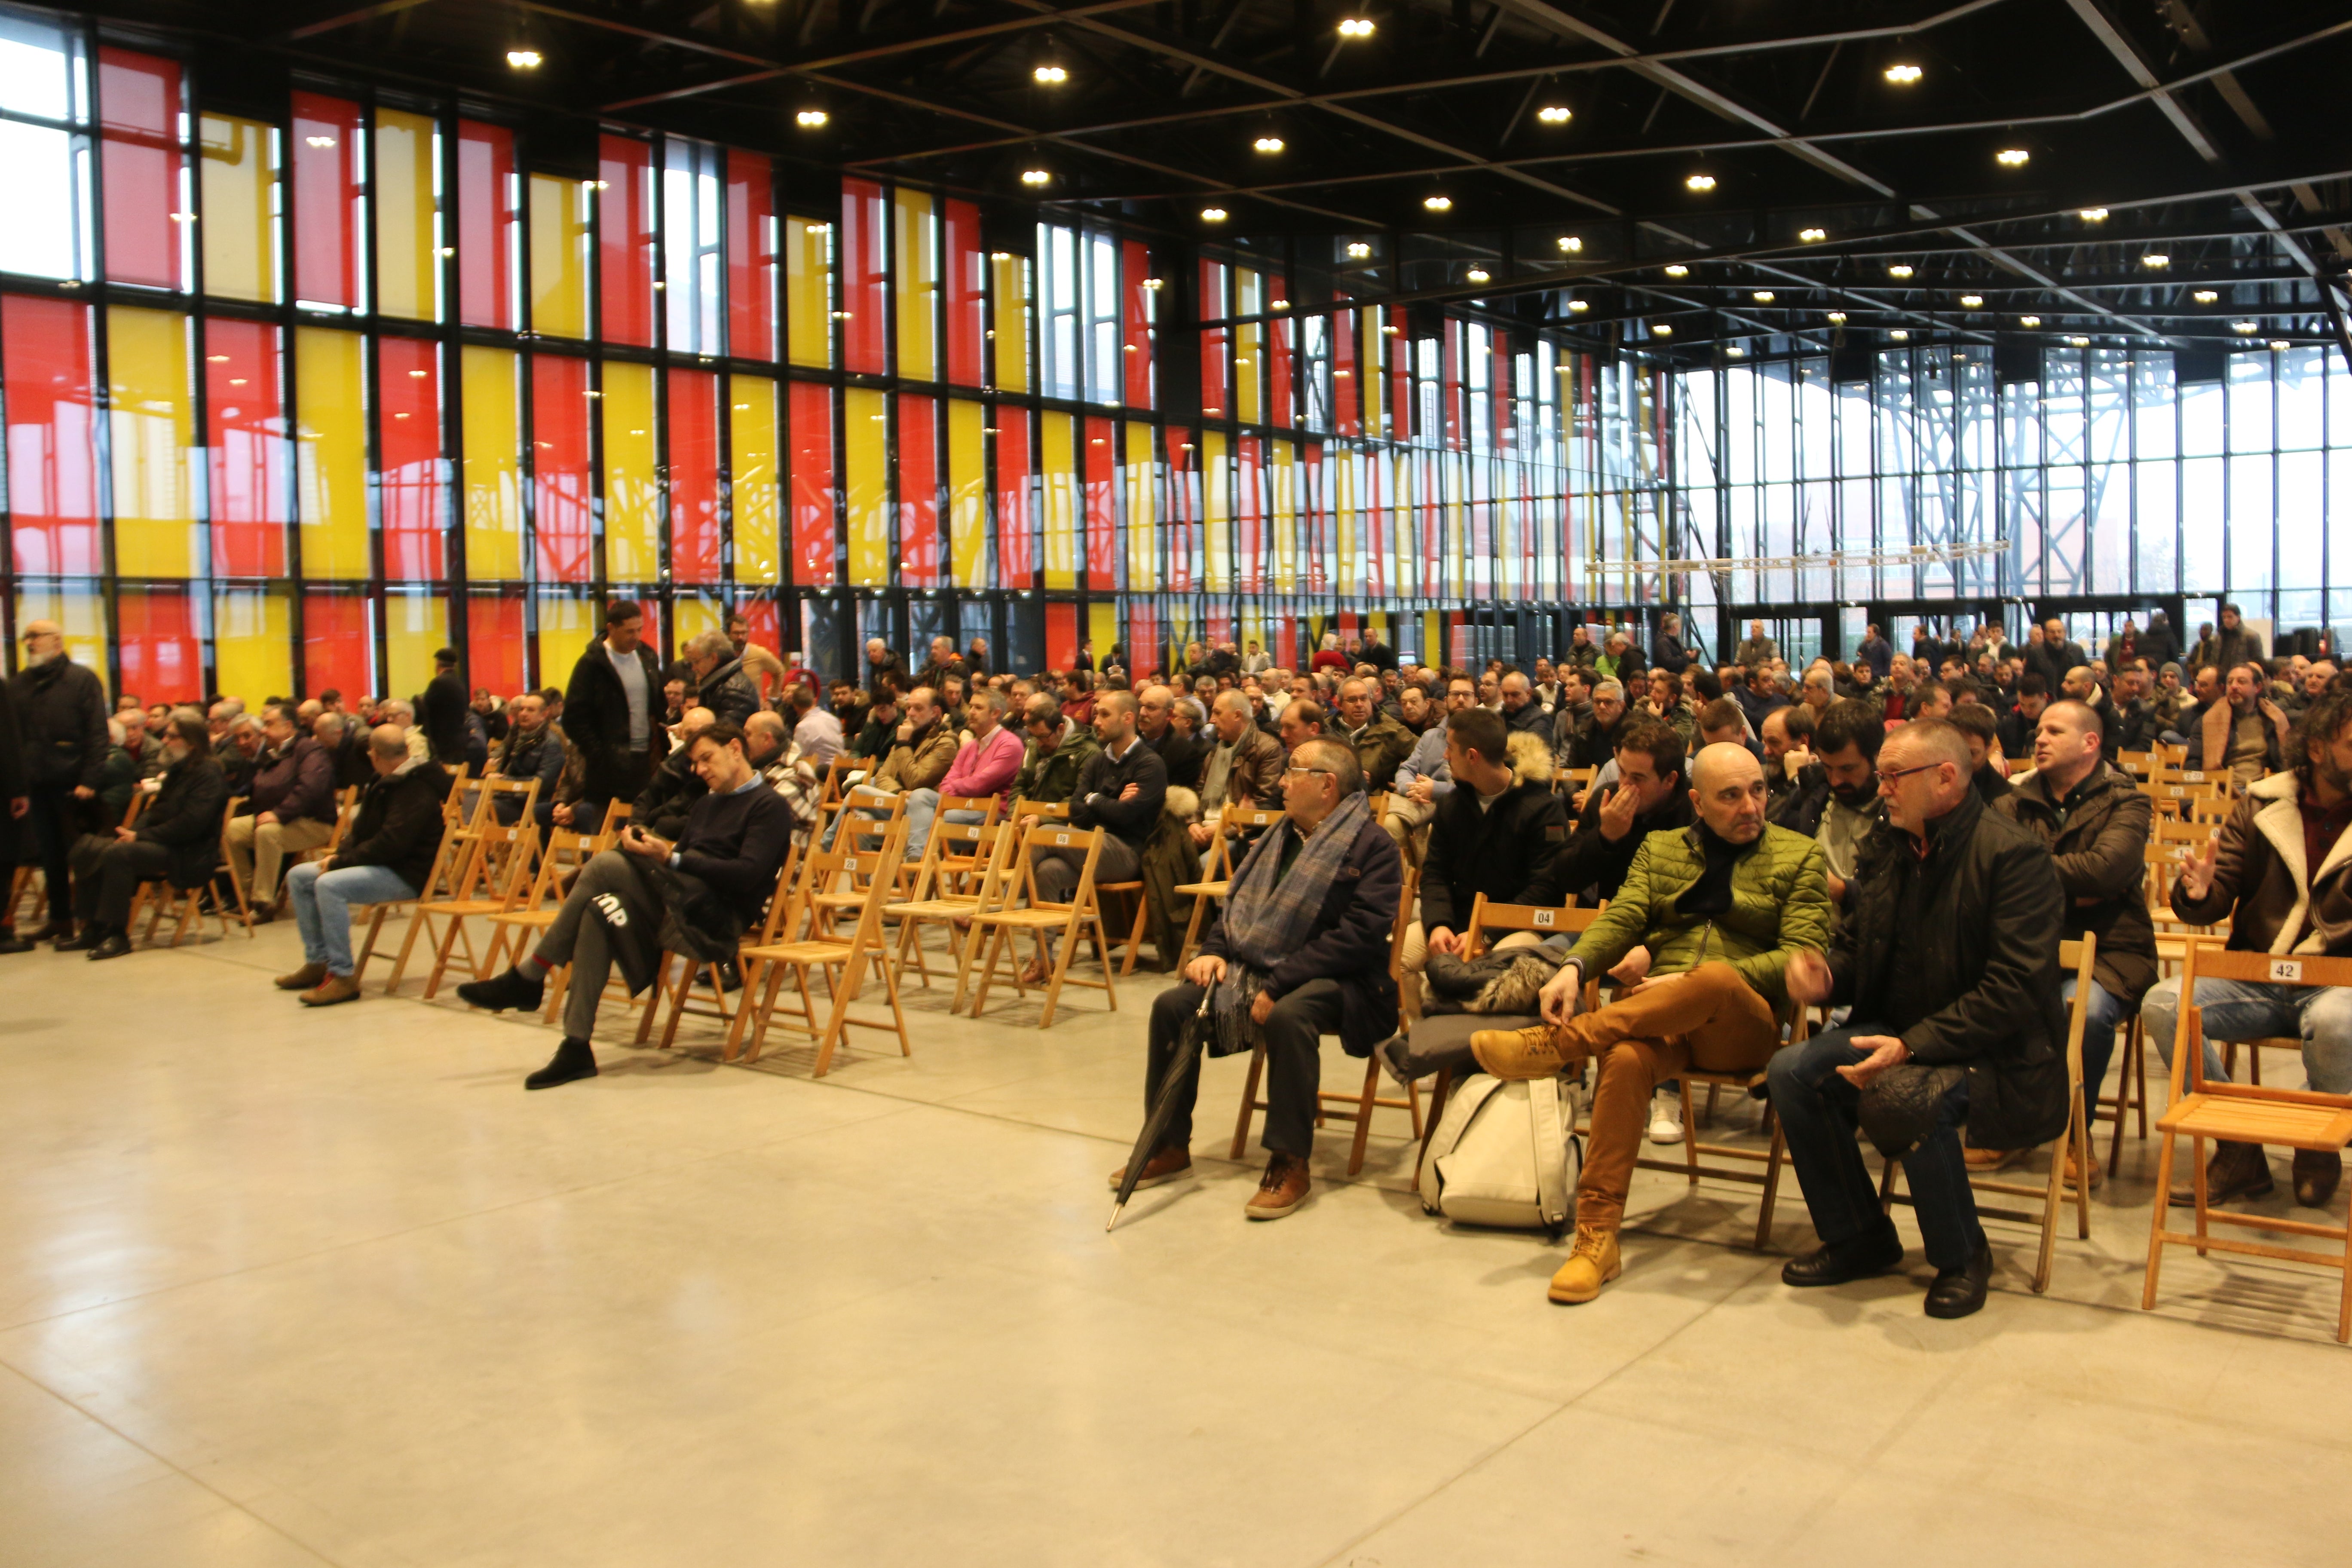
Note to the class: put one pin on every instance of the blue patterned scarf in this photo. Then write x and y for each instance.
(1268, 914)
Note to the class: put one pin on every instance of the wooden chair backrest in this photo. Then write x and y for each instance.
(139, 799)
(2139, 764)
(1043, 810)
(869, 873)
(959, 849)
(495, 854)
(2170, 756)
(1397, 927)
(1232, 821)
(2207, 959)
(2078, 955)
(1048, 834)
(347, 807)
(1489, 919)
(988, 805)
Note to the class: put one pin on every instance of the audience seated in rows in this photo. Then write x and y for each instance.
(176, 840)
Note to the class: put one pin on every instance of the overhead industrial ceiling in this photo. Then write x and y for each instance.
(2150, 171)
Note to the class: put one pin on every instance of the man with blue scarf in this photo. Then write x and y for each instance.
(1301, 950)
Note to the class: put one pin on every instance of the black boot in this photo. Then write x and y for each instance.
(500, 992)
(1860, 1258)
(93, 932)
(2235, 1171)
(11, 943)
(573, 1059)
(1956, 1292)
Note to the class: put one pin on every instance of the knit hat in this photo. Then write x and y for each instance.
(2170, 670)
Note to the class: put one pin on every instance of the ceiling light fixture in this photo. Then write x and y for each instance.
(2029, 321)
(1356, 28)
(2012, 157)
(1762, 296)
(523, 59)
(1661, 329)
(1477, 275)
(1570, 244)
(1212, 214)
(1051, 75)
(1036, 177)
(1579, 305)
(1438, 203)
(2156, 260)
(810, 119)
(321, 143)
(1359, 251)
(2205, 296)
(1900, 335)
(1735, 351)
(1677, 270)
(1701, 181)
(1900, 269)
(2245, 328)
(1812, 236)
(1554, 114)
(1278, 305)
(1000, 255)
(2080, 342)
(1268, 143)
(1155, 283)
(1903, 75)
(1837, 318)
(1972, 301)
(2094, 214)
(2279, 345)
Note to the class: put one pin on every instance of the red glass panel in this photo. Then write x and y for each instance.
(1101, 467)
(967, 294)
(494, 642)
(864, 269)
(1449, 403)
(1135, 334)
(1061, 635)
(408, 438)
(813, 534)
(1183, 507)
(764, 632)
(1286, 643)
(750, 257)
(919, 492)
(1016, 533)
(562, 489)
(1221, 622)
(139, 100)
(694, 536)
(1432, 522)
(1346, 406)
(336, 637)
(1216, 360)
(327, 213)
(1250, 514)
(1401, 412)
(485, 224)
(45, 353)
(155, 633)
(1142, 636)
(1281, 337)
(624, 240)
(245, 410)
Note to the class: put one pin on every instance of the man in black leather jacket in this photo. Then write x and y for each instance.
(177, 839)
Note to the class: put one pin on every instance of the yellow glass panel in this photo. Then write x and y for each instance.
(80, 615)
(415, 624)
(632, 478)
(917, 269)
(866, 442)
(1216, 511)
(407, 240)
(1061, 445)
(330, 451)
(565, 626)
(153, 426)
(1282, 517)
(253, 642)
(808, 291)
(558, 257)
(1348, 570)
(1371, 375)
(492, 466)
(240, 262)
(967, 493)
(691, 615)
(1142, 512)
(1102, 625)
(1456, 520)
(1249, 346)
(1433, 637)
(1008, 302)
(757, 500)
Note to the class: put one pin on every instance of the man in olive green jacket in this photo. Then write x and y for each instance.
(1058, 751)
(1718, 908)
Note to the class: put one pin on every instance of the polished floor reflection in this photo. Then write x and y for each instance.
(281, 1287)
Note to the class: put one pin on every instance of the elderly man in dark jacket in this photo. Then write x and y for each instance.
(61, 713)
(2096, 822)
(720, 683)
(1949, 959)
(534, 751)
(386, 859)
(290, 808)
(15, 806)
(177, 839)
(1300, 950)
(612, 708)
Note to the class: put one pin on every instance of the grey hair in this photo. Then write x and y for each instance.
(116, 732)
(711, 645)
(400, 706)
(1332, 757)
(1609, 688)
(242, 722)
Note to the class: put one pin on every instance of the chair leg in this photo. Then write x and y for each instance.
(1886, 1187)
(1772, 1162)
(1134, 940)
(1249, 1103)
(1437, 1092)
(2155, 1221)
(418, 921)
(1690, 1133)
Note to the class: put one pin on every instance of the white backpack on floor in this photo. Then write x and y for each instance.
(1505, 1155)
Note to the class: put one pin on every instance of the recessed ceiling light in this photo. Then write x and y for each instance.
(2029, 321)
(1900, 269)
(2205, 296)
(2094, 214)
(1212, 214)
(2080, 342)
(1900, 335)
(1812, 236)
(1268, 143)
(1570, 244)
(1677, 270)
(1036, 177)
(2279, 345)
(1477, 275)
(1359, 251)
(1902, 76)
(1762, 296)
(319, 141)
(812, 118)
(1579, 305)
(2155, 259)
(2245, 328)
(216, 359)
(523, 59)
(2012, 157)
(1837, 318)
(1735, 351)
(1701, 181)
(1554, 114)
(1438, 203)
(1972, 301)
(1661, 329)
(1052, 75)
(1155, 283)
(1356, 28)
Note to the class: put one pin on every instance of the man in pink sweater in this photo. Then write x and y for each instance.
(991, 754)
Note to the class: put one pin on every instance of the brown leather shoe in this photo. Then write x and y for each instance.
(2316, 1171)
(2098, 1173)
(302, 979)
(1981, 1162)
(333, 989)
(1284, 1188)
(263, 913)
(1537, 1051)
(2235, 1171)
(1165, 1165)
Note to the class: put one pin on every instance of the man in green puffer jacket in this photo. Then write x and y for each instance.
(1720, 906)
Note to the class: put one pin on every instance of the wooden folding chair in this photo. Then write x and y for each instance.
(2202, 1109)
(2075, 1140)
(1356, 1107)
(858, 831)
(160, 894)
(2139, 764)
(1232, 822)
(843, 960)
(956, 849)
(996, 927)
(706, 973)
(497, 860)
(514, 928)
(456, 843)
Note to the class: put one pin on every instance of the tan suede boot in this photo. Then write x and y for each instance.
(1539, 1050)
(302, 979)
(1594, 1264)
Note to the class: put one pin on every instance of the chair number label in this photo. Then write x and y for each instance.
(2287, 970)
(1544, 917)
(2192, 778)
(1060, 839)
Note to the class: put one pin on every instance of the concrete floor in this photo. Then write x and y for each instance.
(281, 1287)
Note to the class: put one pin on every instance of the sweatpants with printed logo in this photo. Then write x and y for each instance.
(606, 894)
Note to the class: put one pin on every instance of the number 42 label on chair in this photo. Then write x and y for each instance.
(2287, 970)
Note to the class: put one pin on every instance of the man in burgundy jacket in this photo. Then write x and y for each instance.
(290, 810)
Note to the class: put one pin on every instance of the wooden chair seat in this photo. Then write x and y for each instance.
(933, 909)
(1036, 917)
(810, 950)
(1205, 889)
(2217, 1114)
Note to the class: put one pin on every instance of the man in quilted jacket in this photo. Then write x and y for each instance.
(1699, 936)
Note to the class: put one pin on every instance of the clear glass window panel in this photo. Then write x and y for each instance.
(2251, 539)
(2249, 402)
(2303, 397)
(2302, 504)
(1779, 435)
(2200, 418)
(2155, 537)
(41, 70)
(2203, 514)
(47, 233)
(2155, 411)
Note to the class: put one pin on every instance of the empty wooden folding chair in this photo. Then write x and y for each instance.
(498, 860)
(1232, 822)
(1043, 922)
(956, 847)
(843, 960)
(2073, 1142)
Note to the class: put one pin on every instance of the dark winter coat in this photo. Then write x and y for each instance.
(61, 713)
(399, 823)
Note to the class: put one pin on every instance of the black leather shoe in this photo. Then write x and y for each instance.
(1956, 1292)
(52, 931)
(2235, 1171)
(1859, 1258)
(115, 945)
(11, 943)
(89, 936)
(731, 976)
(573, 1059)
(2316, 1171)
(500, 992)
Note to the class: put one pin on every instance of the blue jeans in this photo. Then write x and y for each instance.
(2250, 1010)
(1818, 1117)
(322, 907)
(922, 807)
(2099, 1020)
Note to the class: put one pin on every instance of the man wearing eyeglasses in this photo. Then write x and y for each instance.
(61, 712)
(1948, 956)
(1300, 950)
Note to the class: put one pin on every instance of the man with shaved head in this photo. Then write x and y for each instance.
(1702, 932)
(1121, 789)
(1948, 958)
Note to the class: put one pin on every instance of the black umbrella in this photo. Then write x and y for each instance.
(1183, 1065)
